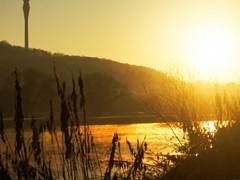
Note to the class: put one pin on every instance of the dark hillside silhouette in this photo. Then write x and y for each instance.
(112, 88)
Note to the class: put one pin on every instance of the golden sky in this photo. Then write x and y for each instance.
(198, 37)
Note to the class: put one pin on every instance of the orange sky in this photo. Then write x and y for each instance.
(170, 35)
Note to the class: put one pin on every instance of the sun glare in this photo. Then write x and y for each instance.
(209, 126)
(212, 50)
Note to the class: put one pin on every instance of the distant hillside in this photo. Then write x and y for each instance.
(111, 87)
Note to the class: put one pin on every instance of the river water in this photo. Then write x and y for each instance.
(160, 137)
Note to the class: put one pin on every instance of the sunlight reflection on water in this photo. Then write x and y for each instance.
(159, 136)
(209, 126)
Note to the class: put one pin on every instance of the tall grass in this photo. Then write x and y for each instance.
(32, 156)
(206, 154)
(71, 152)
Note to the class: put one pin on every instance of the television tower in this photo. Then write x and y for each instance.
(26, 9)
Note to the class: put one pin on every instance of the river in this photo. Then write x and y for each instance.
(160, 137)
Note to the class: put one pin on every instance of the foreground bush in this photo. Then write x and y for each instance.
(218, 158)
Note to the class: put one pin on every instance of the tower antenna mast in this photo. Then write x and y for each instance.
(26, 9)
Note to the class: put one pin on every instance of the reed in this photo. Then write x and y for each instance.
(72, 154)
(34, 158)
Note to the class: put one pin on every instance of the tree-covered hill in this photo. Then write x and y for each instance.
(111, 87)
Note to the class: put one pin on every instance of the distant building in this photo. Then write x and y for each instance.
(26, 9)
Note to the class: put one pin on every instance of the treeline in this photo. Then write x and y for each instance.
(112, 88)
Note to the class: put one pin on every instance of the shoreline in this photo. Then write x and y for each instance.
(101, 120)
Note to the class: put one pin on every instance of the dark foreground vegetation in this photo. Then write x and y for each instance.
(216, 158)
(202, 155)
(72, 154)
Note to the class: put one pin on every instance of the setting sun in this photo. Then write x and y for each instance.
(120, 89)
(211, 51)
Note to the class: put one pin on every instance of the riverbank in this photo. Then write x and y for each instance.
(100, 120)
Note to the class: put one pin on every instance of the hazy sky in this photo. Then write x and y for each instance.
(162, 34)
